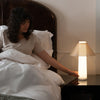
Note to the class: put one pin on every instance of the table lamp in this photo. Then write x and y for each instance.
(82, 50)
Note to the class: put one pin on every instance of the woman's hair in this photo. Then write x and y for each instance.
(17, 17)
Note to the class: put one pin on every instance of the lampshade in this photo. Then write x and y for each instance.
(82, 49)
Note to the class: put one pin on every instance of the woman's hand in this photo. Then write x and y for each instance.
(73, 73)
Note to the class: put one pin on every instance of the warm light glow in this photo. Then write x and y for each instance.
(82, 42)
(82, 82)
(82, 67)
(82, 50)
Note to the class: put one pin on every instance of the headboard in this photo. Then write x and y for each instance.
(42, 17)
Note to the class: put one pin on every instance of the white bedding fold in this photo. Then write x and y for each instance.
(15, 55)
(20, 75)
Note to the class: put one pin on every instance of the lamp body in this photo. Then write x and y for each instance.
(82, 67)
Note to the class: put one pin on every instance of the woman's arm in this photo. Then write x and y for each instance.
(48, 59)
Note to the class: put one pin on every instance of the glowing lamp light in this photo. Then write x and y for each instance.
(82, 50)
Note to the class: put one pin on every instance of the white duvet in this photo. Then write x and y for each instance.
(22, 75)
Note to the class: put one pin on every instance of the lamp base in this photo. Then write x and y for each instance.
(82, 82)
(82, 79)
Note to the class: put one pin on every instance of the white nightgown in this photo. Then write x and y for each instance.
(33, 44)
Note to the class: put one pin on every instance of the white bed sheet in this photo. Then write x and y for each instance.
(21, 75)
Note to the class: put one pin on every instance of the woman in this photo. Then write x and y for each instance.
(18, 32)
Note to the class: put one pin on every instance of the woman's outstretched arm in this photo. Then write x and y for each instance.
(51, 61)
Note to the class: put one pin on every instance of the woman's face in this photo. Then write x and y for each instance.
(24, 26)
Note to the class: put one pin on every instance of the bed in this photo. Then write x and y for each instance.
(47, 87)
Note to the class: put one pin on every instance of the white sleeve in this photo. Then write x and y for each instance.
(37, 46)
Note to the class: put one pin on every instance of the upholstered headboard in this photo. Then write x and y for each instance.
(42, 17)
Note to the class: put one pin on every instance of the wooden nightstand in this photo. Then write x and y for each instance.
(81, 90)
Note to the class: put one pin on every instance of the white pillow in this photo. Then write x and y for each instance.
(3, 27)
(45, 39)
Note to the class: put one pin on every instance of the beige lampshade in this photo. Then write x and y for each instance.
(82, 49)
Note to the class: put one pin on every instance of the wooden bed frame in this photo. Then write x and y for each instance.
(42, 17)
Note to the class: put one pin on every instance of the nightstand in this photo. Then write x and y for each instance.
(81, 90)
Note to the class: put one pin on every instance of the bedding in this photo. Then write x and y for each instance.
(27, 79)
(9, 97)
